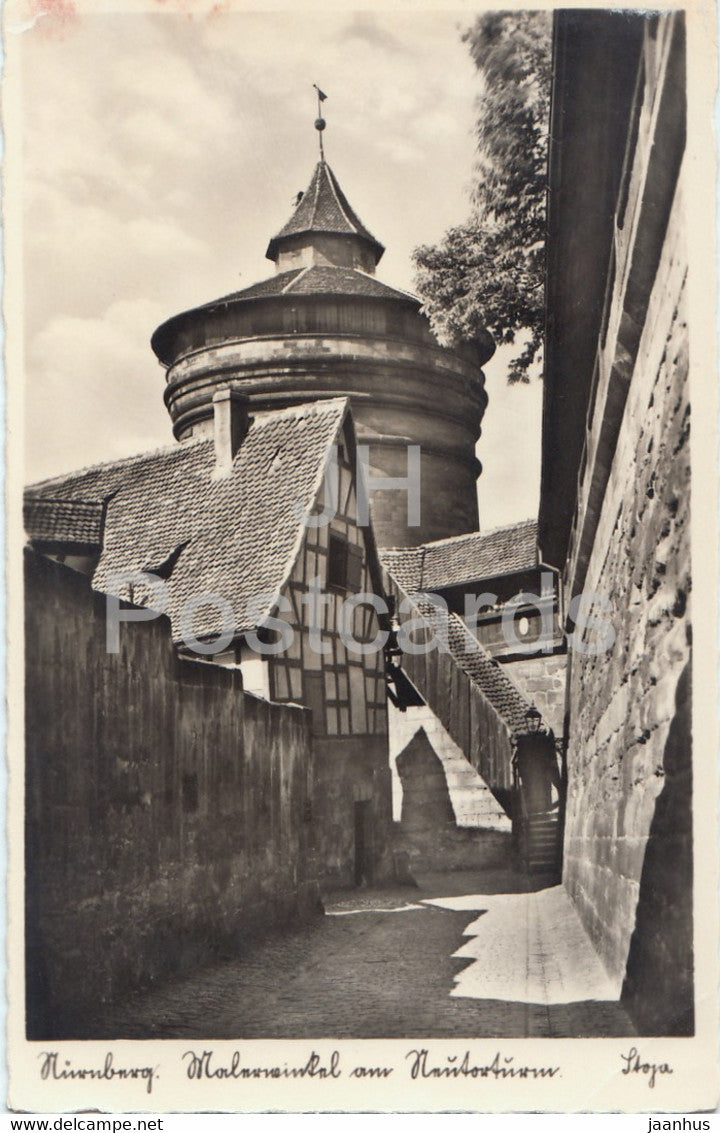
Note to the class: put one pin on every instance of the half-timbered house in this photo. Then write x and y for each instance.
(251, 544)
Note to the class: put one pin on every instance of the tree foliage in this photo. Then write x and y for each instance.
(489, 271)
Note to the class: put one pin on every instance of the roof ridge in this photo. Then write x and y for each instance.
(56, 501)
(483, 534)
(334, 186)
(313, 213)
(498, 670)
(374, 278)
(160, 500)
(423, 557)
(379, 289)
(320, 474)
(296, 277)
(378, 283)
(507, 676)
(404, 550)
(303, 407)
(132, 458)
(474, 642)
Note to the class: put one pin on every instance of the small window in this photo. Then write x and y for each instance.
(345, 563)
(190, 797)
(355, 568)
(337, 561)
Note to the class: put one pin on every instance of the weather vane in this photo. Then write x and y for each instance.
(320, 121)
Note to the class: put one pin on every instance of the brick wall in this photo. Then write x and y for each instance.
(166, 809)
(628, 830)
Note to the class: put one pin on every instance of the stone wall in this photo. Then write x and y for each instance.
(543, 681)
(431, 832)
(351, 770)
(467, 715)
(628, 830)
(460, 726)
(166, 814)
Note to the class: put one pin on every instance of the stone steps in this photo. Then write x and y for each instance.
(542, 843)
(473, 803)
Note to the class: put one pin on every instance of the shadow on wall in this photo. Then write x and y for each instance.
(658, 985)
(428, 831)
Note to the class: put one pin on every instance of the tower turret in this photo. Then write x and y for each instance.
(324, 326)
(324, 230)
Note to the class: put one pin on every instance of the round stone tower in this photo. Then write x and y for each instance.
(323, 326)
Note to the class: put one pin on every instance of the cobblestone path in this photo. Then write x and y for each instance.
(380, 964)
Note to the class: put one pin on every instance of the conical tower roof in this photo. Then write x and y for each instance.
(323, 210)
(323, 327)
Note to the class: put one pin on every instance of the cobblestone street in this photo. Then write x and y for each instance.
(462, 955)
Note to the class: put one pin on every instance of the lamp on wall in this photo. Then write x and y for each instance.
(532, 719)
(401, 691)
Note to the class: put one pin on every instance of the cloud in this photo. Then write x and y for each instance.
(366, 27)
(94, 390)
(509, 448)
(160, 154)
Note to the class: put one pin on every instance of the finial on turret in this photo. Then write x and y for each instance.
(320, 121)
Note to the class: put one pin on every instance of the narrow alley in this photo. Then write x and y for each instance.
(462, 955)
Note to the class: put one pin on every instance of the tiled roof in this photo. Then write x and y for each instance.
(404, 564)
(318, 280)
(242, 532)
(489, 675)
(324, 208)
(74, 521)
(474, 659)
(275, 285)
(464, 558)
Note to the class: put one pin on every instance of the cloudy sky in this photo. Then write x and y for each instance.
(162, 148)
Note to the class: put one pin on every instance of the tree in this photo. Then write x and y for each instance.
(490, 271)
